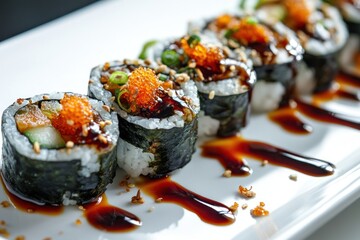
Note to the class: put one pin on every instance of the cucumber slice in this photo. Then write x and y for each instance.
(47, 137)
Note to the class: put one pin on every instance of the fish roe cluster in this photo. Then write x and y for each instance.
(206, 57)
(298, 13)
(249, 32)
(76, 112)
(141, 89)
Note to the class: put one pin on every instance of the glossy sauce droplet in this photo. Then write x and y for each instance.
(25, 205)
(234, 148)
(208, 210)
(106, 217)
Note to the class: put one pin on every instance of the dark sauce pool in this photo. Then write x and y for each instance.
(208, 210)
(106, 217)
(230, 153)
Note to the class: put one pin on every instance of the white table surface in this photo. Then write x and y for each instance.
(66, 49)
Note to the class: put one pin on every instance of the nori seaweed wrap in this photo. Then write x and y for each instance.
(224, 79)
(157, 110)
(58, 149)
(350, 56)
(322, 34)
(273, 49)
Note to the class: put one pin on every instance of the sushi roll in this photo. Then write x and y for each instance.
(273, 49)
(157, 110)
(350, 56)
(58, 149)
(322, 34)
(224, 80)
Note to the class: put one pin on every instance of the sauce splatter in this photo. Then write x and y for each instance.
(208, 210)
(106, 217)
(230, 152)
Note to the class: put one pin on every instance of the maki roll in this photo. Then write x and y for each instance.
(224, 80)
(58, 149)
(322, 34)
(350, 56)
(157, 111)
(273, 49)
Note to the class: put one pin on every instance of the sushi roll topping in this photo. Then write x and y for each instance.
(262, 41)
(147, 92)
(57, 124)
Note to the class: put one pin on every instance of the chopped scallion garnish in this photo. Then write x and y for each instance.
(170, 58)
(119, 77)
(193, 40)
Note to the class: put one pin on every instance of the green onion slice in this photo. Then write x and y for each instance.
(144, 51)
(119, 77)
(170, 58)
(163, 77)
(118, 94)
(193, 40)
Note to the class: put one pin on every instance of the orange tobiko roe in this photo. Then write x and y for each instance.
(298, 13)
(141, 89)
(207, 57)
(248, 32)
(76, 112)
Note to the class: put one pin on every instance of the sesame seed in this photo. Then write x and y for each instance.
(211, 94)
(36, 147)
(69, 144)
(264, 163)
(46, 97)
(102, 124)
(222, 68)
(131, 185)
(232, 68)
(293, 177)
(85, 130)
(78, 222)
(106, 66)
(112, 99)
(70, 122)
(159, 200)
(103, 139)
(147, 61)
(161, 68)
(199, 73)
(227, 173)
(172, 72)
(192, 64)
(136, 62)
(106, 108)
(91, 81)
(108, 122)
(244, 206)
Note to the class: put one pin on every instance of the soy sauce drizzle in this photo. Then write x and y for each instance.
(336, 92)
(27, 206)
(231, 150)
(208, 210)
(344, 78)
(106, 217)
(288, 119)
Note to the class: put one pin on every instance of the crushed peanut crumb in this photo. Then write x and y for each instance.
(108, 122)
(246, 192)
(293, 177)
(159, 200)
(232, 68)
(244, 206)
(5, 204)
(103, 139)
(137, 198)
(20, 101)
(46, 97)
(200, 74)
(102, 124)
(259, 211)
(131, 185)
(21, 237)
(234, 207)
(90, 81)
(78, 222)
(106, 108)
(84, 130)
(81, 208)
(106, 66)
(4, 233)
(227, 173)
(264, 163)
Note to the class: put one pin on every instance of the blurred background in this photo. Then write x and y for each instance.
(17, 16)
